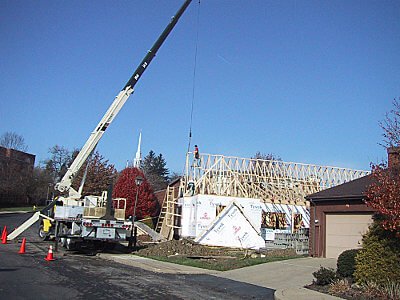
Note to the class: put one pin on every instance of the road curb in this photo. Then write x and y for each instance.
(301, 293)
(16, 212)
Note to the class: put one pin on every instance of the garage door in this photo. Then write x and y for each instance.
(344, 231)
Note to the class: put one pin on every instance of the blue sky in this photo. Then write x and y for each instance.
(307, 80)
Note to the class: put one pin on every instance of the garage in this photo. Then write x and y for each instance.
(339, 217)
(344, 231)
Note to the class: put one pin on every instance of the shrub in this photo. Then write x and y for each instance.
(379, 259)
(371, 288)
(339, 286)
(389, 290)
(324, 276)
(346, 263)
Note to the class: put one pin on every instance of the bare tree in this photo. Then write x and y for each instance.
(59, 162)
(173, 176)
(269, 156)
(100, 173)
(14, 141)
(391, 126)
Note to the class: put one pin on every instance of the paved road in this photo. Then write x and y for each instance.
(72, 275)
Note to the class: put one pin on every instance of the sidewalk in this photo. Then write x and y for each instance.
(286, 277)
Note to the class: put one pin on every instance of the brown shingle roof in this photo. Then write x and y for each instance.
(351, 189)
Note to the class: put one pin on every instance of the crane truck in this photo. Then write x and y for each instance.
(92, 220)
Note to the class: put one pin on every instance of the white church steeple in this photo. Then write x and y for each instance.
(138, 159)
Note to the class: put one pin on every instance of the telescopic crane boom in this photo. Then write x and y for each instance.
(66, 182)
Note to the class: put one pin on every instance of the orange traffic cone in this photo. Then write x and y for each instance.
(22, 249)
(50, 254)
(4, 236)
(4, 232)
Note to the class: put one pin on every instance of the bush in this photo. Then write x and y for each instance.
(339, 286)
(324, 276)
(379, 259)
(346, 263)
(389, 290)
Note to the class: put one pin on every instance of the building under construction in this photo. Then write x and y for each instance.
(269, 194)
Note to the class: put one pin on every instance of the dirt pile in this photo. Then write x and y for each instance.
(189, 253)
(189, 248)
(184, 247)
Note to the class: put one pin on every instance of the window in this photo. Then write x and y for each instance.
(297, 222)
(273, 220)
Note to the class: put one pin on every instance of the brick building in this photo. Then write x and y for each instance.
(15, 170)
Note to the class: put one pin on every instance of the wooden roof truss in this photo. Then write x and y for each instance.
(268, 180)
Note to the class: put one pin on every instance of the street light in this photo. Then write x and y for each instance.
(138, 180)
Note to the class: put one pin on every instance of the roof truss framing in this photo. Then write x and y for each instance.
(268, 180)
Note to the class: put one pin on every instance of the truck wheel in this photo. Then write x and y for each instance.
(42, 234)
(69, 244)
(64, 231)
(110, 246)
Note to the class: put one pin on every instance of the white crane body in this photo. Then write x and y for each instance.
(74, 219)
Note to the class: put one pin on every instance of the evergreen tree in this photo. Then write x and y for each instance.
(155, 170)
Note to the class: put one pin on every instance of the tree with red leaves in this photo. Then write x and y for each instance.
(125, 187)
(384, 194)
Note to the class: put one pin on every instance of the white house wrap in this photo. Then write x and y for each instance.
(199, 211)
(232, 228)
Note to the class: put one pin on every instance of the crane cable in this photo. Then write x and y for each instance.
(194, 75)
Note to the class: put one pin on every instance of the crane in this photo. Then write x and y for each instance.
(76, 220)
(65, 184)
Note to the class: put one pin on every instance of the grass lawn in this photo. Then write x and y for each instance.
(22, 208)
(220, 264)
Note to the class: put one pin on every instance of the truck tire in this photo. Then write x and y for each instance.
(63, 242)
(69, 244)
(63, 231)
(42, 234)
